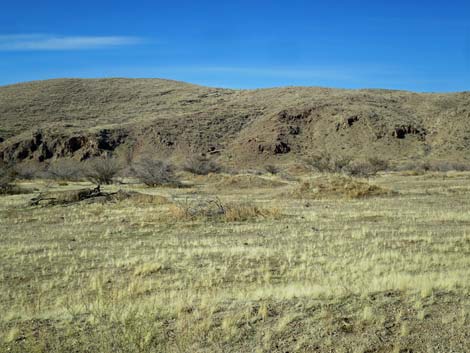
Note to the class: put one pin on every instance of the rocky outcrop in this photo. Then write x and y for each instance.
(400, 132)
(43, 146)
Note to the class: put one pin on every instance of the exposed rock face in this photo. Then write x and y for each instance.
(85, 118)
(402, 131)
(45, 146)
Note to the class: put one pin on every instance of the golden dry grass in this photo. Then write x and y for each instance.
(380, 274)
(339, 186)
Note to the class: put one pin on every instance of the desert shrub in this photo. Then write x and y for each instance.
(29, 170)
(65, 169)
(250, 171)
(288, 177)
(446, 166)
(102, 170)
(337, 186)
(340, 164)
(325, 163)
(361, 169)
(7, 177)
(409, 168)
(420, 167)
(201, 165)
(214, 209)
(154, 172)
(271, 169)
(319, 163)
(379, 164)
(366, 168)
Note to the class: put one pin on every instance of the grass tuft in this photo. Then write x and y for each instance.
(338, 186)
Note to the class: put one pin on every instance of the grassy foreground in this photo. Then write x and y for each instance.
(287, 273)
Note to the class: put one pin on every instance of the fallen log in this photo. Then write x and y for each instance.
(66, 197)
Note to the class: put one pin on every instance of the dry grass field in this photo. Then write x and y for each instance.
(241, 264)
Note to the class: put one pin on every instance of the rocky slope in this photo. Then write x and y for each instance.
(78, 118)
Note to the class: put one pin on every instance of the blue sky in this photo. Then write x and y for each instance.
(413, 45)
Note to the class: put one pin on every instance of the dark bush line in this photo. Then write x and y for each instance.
(433, 166)
(152, 171)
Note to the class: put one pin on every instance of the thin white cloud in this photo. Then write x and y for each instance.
(37, 42)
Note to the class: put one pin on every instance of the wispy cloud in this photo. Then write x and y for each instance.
(36, 42)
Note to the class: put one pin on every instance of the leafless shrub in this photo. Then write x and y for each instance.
(379, 164)
(339, 165)
(272, 169)
(409, 168)
(446, 166)
(319, 163)
(367, 168)
(288, 177)
(102, 170)
(417, 167)
(29, 170)
(154, 172)
(325, 163)
(201, 165)
(65, 169)
(7, 177)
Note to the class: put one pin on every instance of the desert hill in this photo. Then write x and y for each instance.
(80, 118)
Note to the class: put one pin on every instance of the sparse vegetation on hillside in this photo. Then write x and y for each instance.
(244, 127)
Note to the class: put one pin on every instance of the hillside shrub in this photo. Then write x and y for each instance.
(155, 172)
(102, 170)
(65, 169)
(201, 165)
